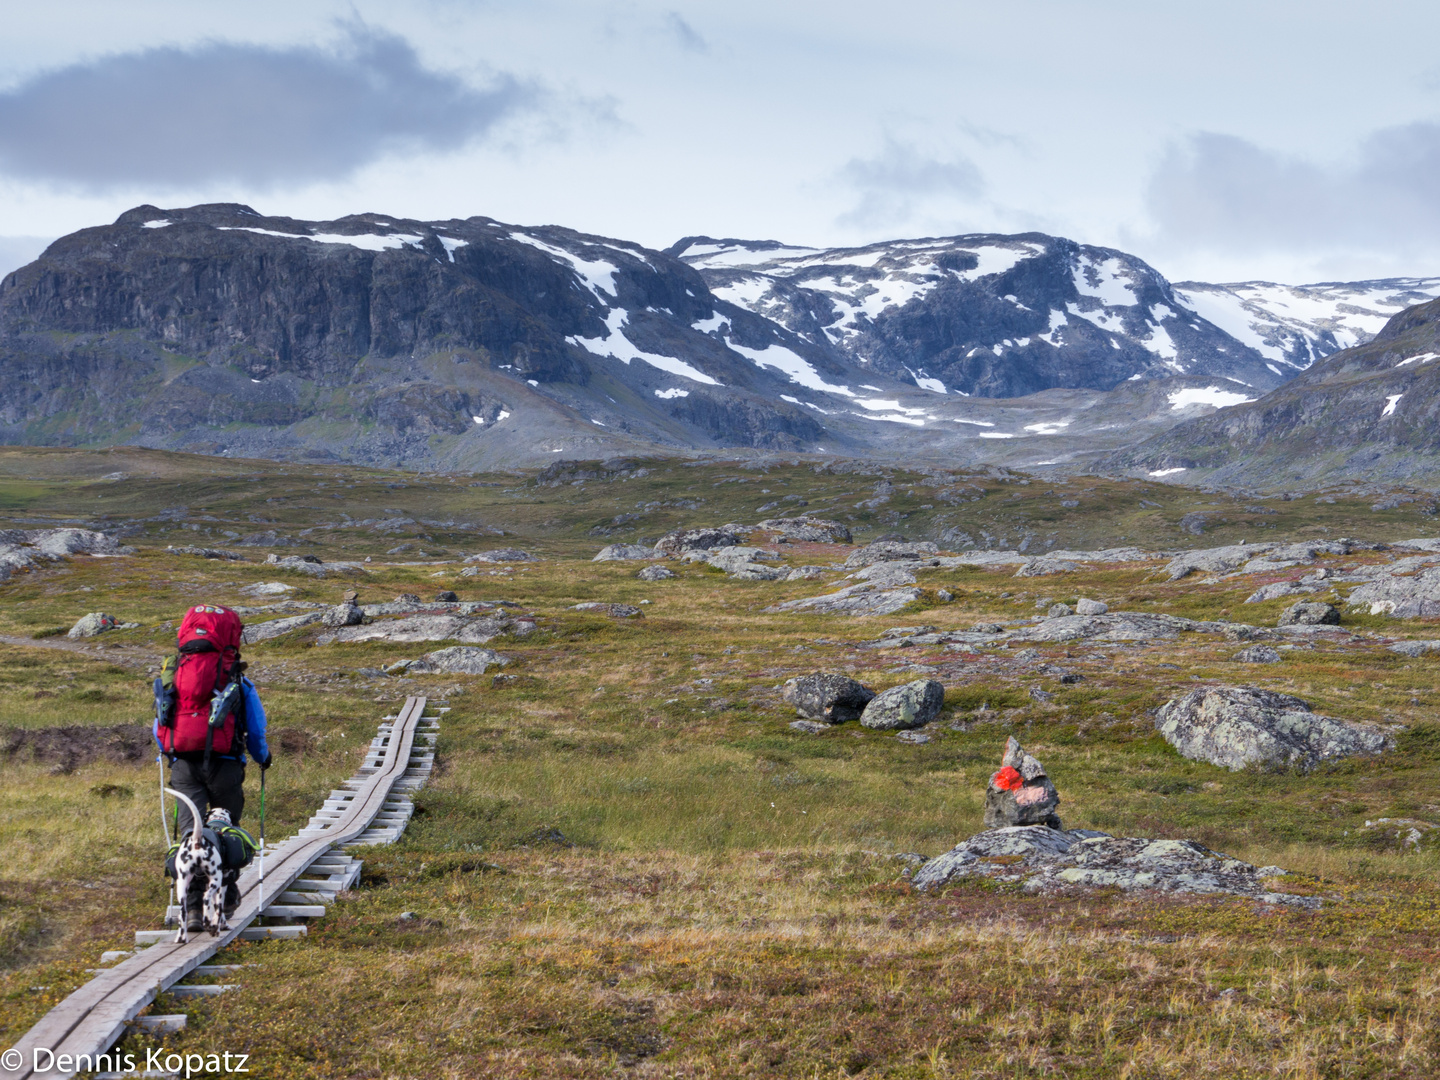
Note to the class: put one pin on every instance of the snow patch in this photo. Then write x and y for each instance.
(597, 274)
(1049, 427)
(792, 364)
(710, 325)
(977, 423)
(503, 414)
(450, 244)
(1209, 395)
(1390, 403)
(673, 392)
(995, 435)
(1112, 284)
(619, 346)
(364, 241)
(1167, 472)
(158, 223)
(1423, 358)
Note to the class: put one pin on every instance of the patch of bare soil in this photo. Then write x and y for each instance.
(68, 748)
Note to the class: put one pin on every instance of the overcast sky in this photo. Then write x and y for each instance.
(1292, 141)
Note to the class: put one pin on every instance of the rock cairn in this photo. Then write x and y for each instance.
(1020, 793)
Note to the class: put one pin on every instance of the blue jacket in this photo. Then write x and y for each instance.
(254, 727)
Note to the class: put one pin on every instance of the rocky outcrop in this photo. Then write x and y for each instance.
(619, 552)
(1400, 595)
(615, 611)
(1309, 614)
(500, 555)
(1041, 859)
(1258, 654)
(655, 573)
(465, 629)
(806, 530)
(1020, 793)
(910, 706)
(739, 561)
(456, 660)
(92, 625)
(343, 615)
(833, 699)
(1046, 567)
(862, 599)
(1125, 626)
(1240, 726)
(254, 633)
(682, 540)
(890, 551)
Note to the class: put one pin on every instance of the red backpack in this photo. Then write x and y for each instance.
(208, 662)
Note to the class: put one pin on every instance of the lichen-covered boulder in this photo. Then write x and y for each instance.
(683, 540)
(620, 552)
(456, 660)
(655, 573)
(910, 706)
(1020, 793)
(1239, 726)
(832, 698)
(97, 622)
(1258, 654)
(343, 615)
(1309, 614)
(1090, 607)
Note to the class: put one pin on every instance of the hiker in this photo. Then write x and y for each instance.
(203, 704)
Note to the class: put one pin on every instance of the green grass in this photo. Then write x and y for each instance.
(626, 860)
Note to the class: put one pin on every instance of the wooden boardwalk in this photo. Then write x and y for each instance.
(94, 1017)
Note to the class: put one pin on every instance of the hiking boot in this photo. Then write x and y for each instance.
(194, 919)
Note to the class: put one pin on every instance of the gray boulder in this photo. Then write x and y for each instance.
(890, 551)
(500, 555)
(1090, 607)
(888, 573)
(257, 632)
(1040, 859)
(743, 563)
(1258, 654)
(806, 530)
(59, 543)
(465, 629)
(1221, 560)
(1239, 726)
(1278, 590)
(1309, 614)
(343, 615)
(1414, 596)
(802, 573)
(1020, 793)
(1415, 649)
(862, 599)
(268, 588)
(305, 564)
(809, 727)
(655, 573)
(1058, 611)
(1045, 567)
(615, 611)
(910, 706)
(683, 540)
(618, 552)
(832, 698)
(1114, 626)
(456, 660)
(88, 626)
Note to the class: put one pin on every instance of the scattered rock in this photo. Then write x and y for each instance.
(1277, 590)
(917, 738)
(807, 530)
(1117, 626)
(1041, 859)
(268, 588)
(1309, 614)
(615, 611)
(683, 540)
(207, 553)
(1090, 607)
(944, 595)
(97, 622)
(831, 698)
(1044, 567)
(446, 596)
(1057, 611)
(350, 596)
(257, 632)
(1238, 726)
(470, 630)
(1042, 696)
(500, 555)
(890, 551)
(1020, 793)
(1407, 832)
(803, 573)
(306, 564)
(912, 705)
(862, 599)
(1258, 654)
(1415, 648)
(810, 727)
(456, 660)
(621, 552)
(343, 615)
(655, 573)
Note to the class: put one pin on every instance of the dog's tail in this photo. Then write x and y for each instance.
(194, 816)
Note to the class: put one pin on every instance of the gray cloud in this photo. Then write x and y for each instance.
(175, 118)
(688, 37)
(1219, 192)
(895, 182)
(16, 251)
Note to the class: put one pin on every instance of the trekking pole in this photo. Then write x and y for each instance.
(164, 824)
(263, 771)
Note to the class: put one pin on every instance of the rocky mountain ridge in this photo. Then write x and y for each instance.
(472, 343)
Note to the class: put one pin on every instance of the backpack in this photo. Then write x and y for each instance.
(198, 695)
(236, 846)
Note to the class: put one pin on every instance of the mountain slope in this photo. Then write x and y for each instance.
(1372, 411)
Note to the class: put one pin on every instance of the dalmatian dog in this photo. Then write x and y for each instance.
(199, 858)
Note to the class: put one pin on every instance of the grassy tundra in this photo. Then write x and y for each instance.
(628, 864)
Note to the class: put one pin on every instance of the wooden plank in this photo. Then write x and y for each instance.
(90, 1020)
